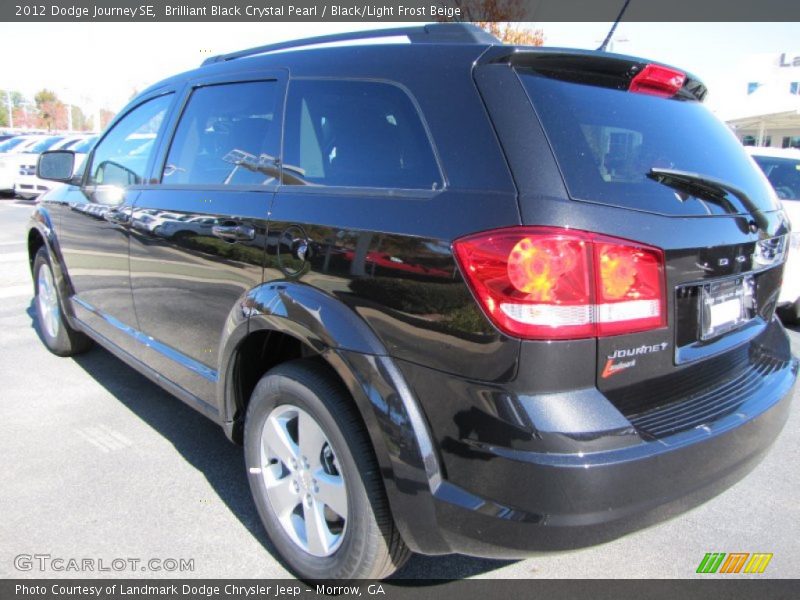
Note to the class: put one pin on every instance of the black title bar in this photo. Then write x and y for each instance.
(398, 10)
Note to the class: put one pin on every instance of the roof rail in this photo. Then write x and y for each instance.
(434, 33)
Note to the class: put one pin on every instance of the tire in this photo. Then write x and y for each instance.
(341, 475)
(59, 337)
(789, 314)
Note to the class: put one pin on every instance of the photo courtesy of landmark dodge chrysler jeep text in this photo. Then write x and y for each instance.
(450, 295)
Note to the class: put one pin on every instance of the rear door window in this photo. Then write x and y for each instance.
(227, 135)
(356, 134)
(606, 141)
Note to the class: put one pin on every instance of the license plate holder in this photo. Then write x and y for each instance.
(724, 306)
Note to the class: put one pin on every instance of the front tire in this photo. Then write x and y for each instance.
(314, 477)
(59, 337)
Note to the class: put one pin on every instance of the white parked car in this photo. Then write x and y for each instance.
(10, 151)
(81, 149)
(183, 227)
(26, 184)
(161, 218)
(782, 168)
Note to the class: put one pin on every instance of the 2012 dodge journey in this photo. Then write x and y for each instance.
(451, 295)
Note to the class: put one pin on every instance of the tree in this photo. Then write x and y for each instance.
(498, 17)
(80, 122)
(511, 33)
(52, 112)
(105, 118)
(17, 100)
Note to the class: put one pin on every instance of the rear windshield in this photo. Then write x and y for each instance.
(783, 174)
(607, 140)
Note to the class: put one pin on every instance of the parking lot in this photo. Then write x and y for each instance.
(98, 463)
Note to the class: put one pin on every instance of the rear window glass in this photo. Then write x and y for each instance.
(356, 133)
(783, 174)
(606, 141)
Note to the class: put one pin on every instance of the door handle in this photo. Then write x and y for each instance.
(234, 233)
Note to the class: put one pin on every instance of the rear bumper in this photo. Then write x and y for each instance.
(498, 498)
(596, 498)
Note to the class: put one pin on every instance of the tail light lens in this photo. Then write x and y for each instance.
(550, 283)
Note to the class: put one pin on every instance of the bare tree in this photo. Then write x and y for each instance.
(500, 18)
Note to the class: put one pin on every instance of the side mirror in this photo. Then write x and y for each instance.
(56, 165)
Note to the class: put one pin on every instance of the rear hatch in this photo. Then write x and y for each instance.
(638, 157)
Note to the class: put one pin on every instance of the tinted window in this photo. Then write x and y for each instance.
(607, 140)
(45, 144)
(355, 133)
(70, 145)
(227, 136)
(12, 143)
(783, 174)
(121, 157)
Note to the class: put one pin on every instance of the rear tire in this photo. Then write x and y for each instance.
(789, 314)
(794, 312)
(314, 477)
(59, 337)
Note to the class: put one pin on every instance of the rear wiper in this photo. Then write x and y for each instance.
(709, 188)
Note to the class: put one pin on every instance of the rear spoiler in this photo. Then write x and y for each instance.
(591, 67)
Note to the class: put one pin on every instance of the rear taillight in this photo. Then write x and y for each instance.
(551, 283)
(657, 81)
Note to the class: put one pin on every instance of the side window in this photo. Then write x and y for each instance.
(120, 159)
(356, 133)
(227, 135)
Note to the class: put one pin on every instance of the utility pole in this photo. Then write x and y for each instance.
(10, 110)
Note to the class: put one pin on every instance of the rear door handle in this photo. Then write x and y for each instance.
(234, 233)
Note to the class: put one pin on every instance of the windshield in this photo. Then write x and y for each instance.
(783, 174)
(606, 141)
(12, 143)
(84, 146)
(45, 144)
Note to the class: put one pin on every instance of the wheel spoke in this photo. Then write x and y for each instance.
(48, 301)
(311, 439)
(318, 536)
(283, 497)
(314, 481)
(332, 492)
(278, 442)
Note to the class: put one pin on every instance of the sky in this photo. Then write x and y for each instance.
(99, 65)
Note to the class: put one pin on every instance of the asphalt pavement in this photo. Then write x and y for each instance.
(99, 465)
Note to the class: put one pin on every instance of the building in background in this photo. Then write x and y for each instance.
(764, 109)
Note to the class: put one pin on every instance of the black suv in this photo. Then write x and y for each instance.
(457, 296)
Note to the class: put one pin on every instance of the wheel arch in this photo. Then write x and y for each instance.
(310, 323)
(42, 234)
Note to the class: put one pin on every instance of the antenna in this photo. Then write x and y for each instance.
(611, 31)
